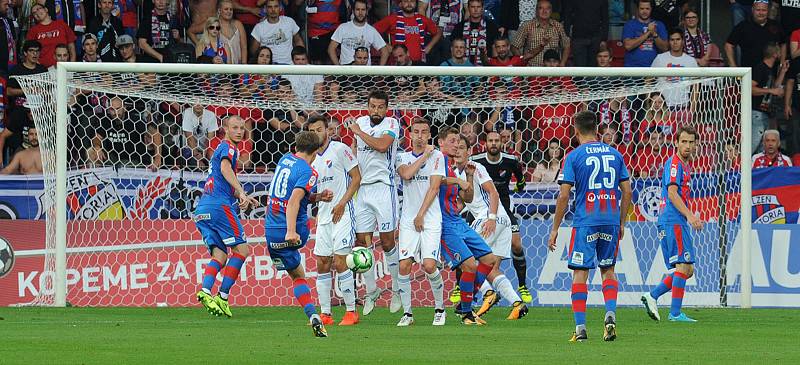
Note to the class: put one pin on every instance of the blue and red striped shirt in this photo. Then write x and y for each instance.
(291, 173)
(217, 190)
(679, 174)
(448, 196)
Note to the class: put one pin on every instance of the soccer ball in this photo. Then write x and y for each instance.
(360, 260)
(7, 257)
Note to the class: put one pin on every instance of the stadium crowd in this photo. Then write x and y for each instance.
(106, 129)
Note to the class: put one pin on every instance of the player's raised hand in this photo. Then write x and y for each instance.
(488, 228)
(325, 196)
(246, 201)
(470, 168)
(428, 151)
(695, 222)
(338, 212)
(292, 237)
(354, 127)
(551, 243)
(419, 223)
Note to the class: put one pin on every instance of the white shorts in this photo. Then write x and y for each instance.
(376, 208)
(500, 240)
(419, 245)
(335, 238)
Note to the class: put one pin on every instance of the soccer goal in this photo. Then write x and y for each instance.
(124, 152)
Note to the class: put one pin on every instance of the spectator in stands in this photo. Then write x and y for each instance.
(669, 11)
(478, 33)
(458, 86)
(753, 35)
(200, 11)
(29, 66)
(49, 33)
(649, 160)
(90, 48)
(504, 57)
(470, 129)
(603, 57)
(277, 32)
(199, 125)
(656, 115)
(62, 55)
(447, 14)
(157, 31)
(127, 51)
(732, 158)
(15, 134)
(616, 113)
(124, 139)
(250, 13)
(740, 11)
(643, 37)
(308, 88)
(609, 135)
(323, 18)
(767, 84)
(8, 41)
(72, 13)
(547, 170)
(127, 11)
(354, 34)
(504, 116)
(261, 87)
(677, 98)
(107, 28)
(790, 16)
(27, 161)
(794, 44)
(404, 88)
(417, 32)
(507, 141)
(587, 23)
(211, 44)
(791, 105)
(232, 32)
(540, 34)
(696, 41)
(772, 156)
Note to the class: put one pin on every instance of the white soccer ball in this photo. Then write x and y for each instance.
(360, 260)
(6, 257)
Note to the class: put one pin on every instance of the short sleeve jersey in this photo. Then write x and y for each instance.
(291, 173)
(333, 166)
(377, 166)
(479, 206)
(217, 190)
(595, 169)
(677, 173)
(415, 189)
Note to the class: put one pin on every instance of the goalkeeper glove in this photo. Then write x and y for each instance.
(520, 186)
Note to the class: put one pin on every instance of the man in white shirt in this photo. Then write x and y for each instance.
(677, 98)
(354, 34)
(199, 126)
(277, 32)
(307, 88)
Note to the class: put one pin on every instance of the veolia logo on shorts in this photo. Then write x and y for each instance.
(6, 257)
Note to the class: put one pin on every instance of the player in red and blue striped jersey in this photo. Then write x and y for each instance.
(602, 194)
(217, 219)
(675, 221)
(462, 247)
(286, 222)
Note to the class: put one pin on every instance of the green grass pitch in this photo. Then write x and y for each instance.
(280, 336)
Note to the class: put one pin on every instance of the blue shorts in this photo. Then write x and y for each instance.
(284, 256)
(594, 246)
(460, 242)
(676, 244)
(220, 226)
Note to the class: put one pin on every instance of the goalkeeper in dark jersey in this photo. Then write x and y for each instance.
(501, 167)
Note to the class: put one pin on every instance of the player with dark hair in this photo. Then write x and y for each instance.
(286, 226)
(675, 221)
(602, 195)
(217, 219)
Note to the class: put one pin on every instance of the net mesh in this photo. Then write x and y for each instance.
(138, 146)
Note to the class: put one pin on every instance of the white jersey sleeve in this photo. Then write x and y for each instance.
(479, 206)
(333, 166)
(415, 189)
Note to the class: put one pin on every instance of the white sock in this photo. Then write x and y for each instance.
(404, 287)
(369, 280)
(484, 288)
(324, 282)
(393, 266)
(346, 286)
(503, 286)
(437, 287)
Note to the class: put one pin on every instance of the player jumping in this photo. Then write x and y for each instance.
(338, 172)
(376, 200)
(674, 228)
(598, 173)
(422, 171)
(494, 225)
(286, 224)
(501, 167)
(217, 219)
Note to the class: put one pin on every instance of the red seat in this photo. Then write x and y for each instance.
(715, 57)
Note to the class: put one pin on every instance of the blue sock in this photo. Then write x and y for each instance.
(210, 275)
(467, 286)
(230, 273)
(303, 295)
(678, 285)
(664, 286)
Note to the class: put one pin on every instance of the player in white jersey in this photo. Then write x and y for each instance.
(376, 200)
(494, 225)
(338, 172)
(421, 171)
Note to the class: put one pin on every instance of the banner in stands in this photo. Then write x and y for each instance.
(776, 197)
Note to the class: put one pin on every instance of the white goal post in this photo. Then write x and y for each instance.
(64, 82)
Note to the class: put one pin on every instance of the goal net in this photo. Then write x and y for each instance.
(138, 139)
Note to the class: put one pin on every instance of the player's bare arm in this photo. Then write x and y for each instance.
(355, 183)
(380, 144)
(627, 197)
(468, 193)
(408, 171)
(430, 196)
(325, 196)
(561, 208)
(679, 204)
(292, 207)
(494, 202)
(245, 201)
